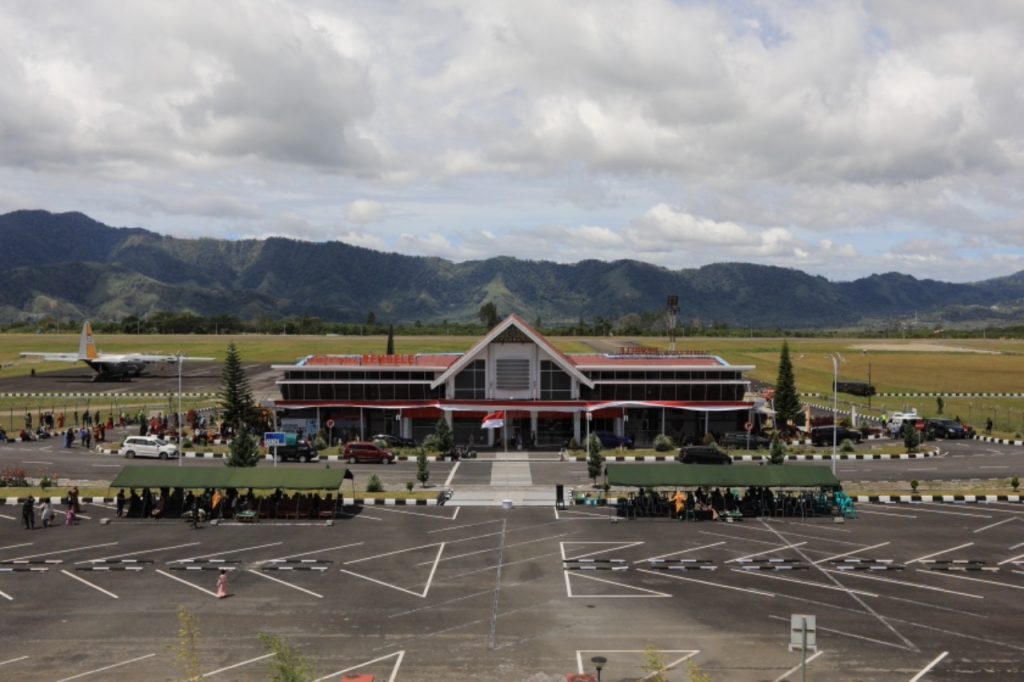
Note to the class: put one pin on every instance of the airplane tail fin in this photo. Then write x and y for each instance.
(86, 345)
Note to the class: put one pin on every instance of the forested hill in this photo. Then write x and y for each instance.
(71, 267)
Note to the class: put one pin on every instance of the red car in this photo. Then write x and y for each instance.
(361, 451)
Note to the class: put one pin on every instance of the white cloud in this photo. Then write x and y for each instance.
(678, 133)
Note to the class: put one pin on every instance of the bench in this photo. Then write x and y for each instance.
(247, 517)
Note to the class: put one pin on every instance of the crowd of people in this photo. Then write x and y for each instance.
(712, 504)
(47, 513)
(221, 504)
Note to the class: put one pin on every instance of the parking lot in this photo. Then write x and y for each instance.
(526, 594)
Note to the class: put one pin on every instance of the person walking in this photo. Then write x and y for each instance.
(46, 513)
(120, 503)
(28, 513)
(222, 584)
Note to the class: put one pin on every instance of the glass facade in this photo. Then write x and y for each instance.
(554, 383)
(471, 382)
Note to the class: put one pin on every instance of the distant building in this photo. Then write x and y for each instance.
(547, 396)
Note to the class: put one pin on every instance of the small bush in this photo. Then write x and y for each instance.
(708, 439)
(320, 444)
(914, 484)
(186, 443)
(380, 443)
(409, 485)
(573, 445)
(431, 443)
(374, 485)
(14, 478)
(847, 446)
(663, 443)
(1014, 483)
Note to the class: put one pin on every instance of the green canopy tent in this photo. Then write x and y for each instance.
(229, 477)
(711, 475)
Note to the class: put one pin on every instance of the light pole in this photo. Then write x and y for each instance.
(598, 662)
(835, 407)
(181, 441)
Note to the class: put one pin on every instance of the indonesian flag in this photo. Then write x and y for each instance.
(493, 420)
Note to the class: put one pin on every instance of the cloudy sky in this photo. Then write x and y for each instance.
(841, 138)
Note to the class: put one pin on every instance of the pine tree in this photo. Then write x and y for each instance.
(422, 470)
(236, 402)
(594, 460)
(244, 450)
(787, 402)
(391, 341)
(443, 436)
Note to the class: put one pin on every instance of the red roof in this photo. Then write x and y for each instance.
(643, 361)
(396, 361)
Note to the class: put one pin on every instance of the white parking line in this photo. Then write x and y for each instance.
(451, 475)
(141, 551)
(865, 576)
(229, 551)
(946, 574)
(861, 510)
(919, 506)
(705, 582)
(944, 551)
(928, 667)
(314, 551)
(35, 461)
(1011, 559)
(809, 583)
(108, 667)
(13, 660)
(856, 551)
(465, 525)
(382, 508)
(10, 518)
(6, 596)
(997, 523)
(495, 549)
(767, 551)
(397, 551)
(993, 467)
(682, 551)
(850, 634)
(93, 586)
(192, 585)
(394, 670)
(63, 551)
(792, 670)
(286, 584)
(237, 665)
(20, 544)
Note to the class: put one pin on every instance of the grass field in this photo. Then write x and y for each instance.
(894, 365)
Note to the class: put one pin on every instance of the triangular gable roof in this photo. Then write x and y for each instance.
(519, 323)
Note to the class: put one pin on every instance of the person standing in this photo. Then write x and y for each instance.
(28, 512)
(120, 503)
(47, 513)
(222, 584)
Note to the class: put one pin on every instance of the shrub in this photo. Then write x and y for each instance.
(409, 485)
(914, 484)
(13, 478)
(777, 451)
(244, 450)
(573, 445)
(911, 439)
(47, 480)
(847, 446)
(380, 443)
(663, 443)
(443, 433)
(374, 485)
(422, 469)
(1014, 483)
(708, 439)
(320, 444)
(431, 443)
(186, 443)
(594, 460)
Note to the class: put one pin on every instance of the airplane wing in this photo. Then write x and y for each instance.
(53, 357)
(139, 357)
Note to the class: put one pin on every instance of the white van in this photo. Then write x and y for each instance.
(147, 446)
(896, 419)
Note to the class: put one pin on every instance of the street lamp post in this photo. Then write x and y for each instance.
(598, 662)
(835, 408)
(181, 441)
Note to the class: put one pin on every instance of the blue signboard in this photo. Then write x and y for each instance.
(274, 439)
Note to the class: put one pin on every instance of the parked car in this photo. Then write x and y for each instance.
(703, 454)
(945, 428)
(822, 435)
(611, 440)
(360, 451)
(740, 441)
(148, 446)
(394, 441)
(300, 452)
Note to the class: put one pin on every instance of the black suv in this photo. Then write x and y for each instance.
(822, 435)
(740, 441)
(393, 441)
(703, 454)
(300, 452)
(945, 428)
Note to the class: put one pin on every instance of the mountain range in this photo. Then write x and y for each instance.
(69, 266)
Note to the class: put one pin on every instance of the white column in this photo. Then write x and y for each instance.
(576, 427)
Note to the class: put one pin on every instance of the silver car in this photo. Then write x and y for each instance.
(148, 446)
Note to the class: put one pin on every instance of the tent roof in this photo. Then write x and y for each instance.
(228, 477)
(691, 475)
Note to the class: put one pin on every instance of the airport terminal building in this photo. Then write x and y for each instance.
(546, 396)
